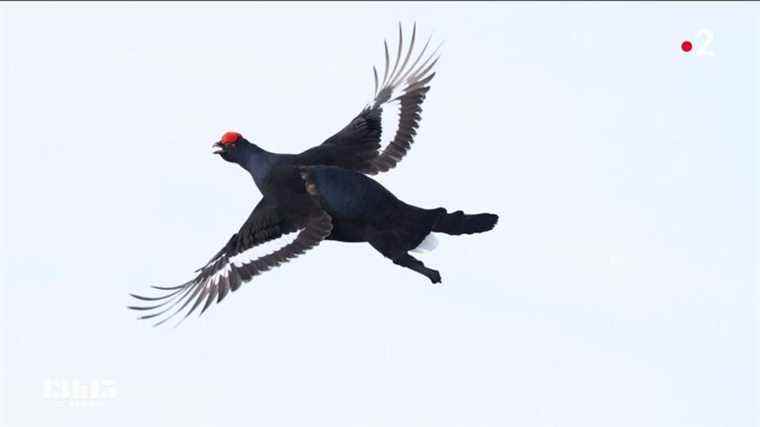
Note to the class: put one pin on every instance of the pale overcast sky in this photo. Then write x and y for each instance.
(618, 288)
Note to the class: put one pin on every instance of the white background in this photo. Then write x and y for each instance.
(617, 289)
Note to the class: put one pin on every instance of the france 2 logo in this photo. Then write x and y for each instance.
(703, 41)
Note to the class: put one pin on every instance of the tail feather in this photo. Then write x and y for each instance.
(460, 223)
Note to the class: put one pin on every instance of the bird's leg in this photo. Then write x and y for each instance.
(412, 263)
(388, 245)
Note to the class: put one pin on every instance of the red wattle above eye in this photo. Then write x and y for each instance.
(230, 137)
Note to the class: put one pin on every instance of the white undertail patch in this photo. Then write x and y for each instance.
(428, 244)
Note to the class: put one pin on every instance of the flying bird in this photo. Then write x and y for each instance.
(324, 193)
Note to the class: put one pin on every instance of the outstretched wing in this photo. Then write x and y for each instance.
(359, 146)
(223, 274)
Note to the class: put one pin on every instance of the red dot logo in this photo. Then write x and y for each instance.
(686, 46)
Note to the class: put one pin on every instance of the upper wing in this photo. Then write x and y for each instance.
(358, 145)
(222, 274)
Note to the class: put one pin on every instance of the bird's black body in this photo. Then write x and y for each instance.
(362, 210)
(324, 194)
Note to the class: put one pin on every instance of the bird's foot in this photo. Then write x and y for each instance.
(433, 275)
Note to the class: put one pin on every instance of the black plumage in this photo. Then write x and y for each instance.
(362, 210)
(324, 194)
(357, 146)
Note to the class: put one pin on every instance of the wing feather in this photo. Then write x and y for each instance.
(221, 275)
(359, 145)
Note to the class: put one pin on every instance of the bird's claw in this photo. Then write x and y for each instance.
(434, 276)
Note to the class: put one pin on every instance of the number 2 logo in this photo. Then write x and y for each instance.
(703, 46)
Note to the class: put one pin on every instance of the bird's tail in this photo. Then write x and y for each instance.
(460, 223)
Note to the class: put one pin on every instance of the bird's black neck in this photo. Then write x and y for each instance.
(258, 162)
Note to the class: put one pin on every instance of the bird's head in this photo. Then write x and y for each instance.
(231, 147)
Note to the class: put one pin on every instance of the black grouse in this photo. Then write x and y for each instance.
(324, 194)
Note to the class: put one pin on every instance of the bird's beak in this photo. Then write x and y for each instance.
(218, 148)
